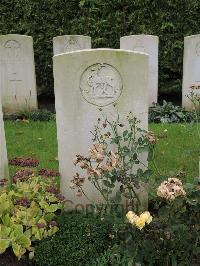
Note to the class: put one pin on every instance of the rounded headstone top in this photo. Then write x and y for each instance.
(101, 50)
(69, 43)
(141, 36)
(73, 36)
(15, 36)
(192, 36)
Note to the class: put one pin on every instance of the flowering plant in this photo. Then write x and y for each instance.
(139, 221)
(116, 157)
(171, 226)
(171, 189)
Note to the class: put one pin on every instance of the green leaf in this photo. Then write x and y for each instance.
(108, 184)
(118, 196)
(18, 250)
(4, 231)
(49, 208)
(140, 172)
(23, 240)
(125, 133)
(4, 203)
(81, 3)
(4, 244)
(17, 229)
(6, 219)
(53, 230)
(49, 217)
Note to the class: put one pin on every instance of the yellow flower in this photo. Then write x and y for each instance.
(146, 216)
(131, 216)
(140, 222)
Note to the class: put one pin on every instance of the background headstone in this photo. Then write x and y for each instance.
(70, 43)
(146, 44)
(3, 151)
(85, 82)
(18, 85)
(191, 68)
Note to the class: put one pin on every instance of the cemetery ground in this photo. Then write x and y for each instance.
(176, 150)
(84, 239)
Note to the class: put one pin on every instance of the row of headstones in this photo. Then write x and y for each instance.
(86, 82)
(17, 68)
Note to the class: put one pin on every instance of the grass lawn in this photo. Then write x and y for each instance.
(177, 150)
(34, 139)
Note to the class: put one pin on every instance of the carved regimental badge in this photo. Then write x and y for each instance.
(12, 49)
(101, 84)
(71, 45)
(139, 47)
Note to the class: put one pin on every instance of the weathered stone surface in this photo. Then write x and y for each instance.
(191, 69)
(70, 43)
(18, 86)
(3, 151)
(85, 83)
(146, 44)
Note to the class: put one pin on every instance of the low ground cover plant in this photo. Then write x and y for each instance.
(24, 162)
(38, 115)
(169, 113)
(80, 240)
(28, 208)
(167, 234)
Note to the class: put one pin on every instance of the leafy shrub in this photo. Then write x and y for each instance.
(22, 175)
(105, 168)
(80, 240)
(105, 22)
(172, 238)
(169, 113)
(39, 115)
(114, 256)
(27, 212)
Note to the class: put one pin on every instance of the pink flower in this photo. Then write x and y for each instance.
(171, 189)
(96, 152)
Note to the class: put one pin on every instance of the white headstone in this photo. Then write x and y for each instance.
(3, 152)
(191, 69)
(147, 44)
(18, 85)
(85, 82)
(70, 43)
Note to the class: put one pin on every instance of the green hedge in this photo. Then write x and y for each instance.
(105, 21)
